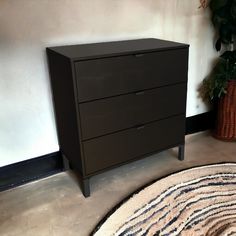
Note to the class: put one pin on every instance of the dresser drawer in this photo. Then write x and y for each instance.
(123, 146)
(106, 77)
(121, 112)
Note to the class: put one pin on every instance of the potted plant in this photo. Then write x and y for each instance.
(220, 86)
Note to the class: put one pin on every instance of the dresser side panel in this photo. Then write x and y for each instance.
(65, 108)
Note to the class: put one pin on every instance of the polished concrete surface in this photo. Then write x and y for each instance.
(55, 206)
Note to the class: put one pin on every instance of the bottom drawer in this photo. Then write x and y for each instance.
(123, 146)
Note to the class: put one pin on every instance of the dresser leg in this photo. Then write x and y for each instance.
(181, 152)
(66, 163)
(86, 187)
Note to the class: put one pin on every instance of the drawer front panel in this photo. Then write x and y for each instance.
(121, 112)
(123, 146)
(106, 77)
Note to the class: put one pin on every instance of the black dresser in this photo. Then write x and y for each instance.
(116, 102)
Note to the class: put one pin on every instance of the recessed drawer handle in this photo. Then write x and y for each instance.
(139, 55)
(139, 93)
(139, 127)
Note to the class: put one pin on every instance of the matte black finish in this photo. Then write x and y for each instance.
(86, 187)
(132, 73)
(64, 96)
(200, 122)
(118, 101)
(26, 171)
(181, 152)
(66, 163)
(125, 145)
(100, 117)
(110, 49)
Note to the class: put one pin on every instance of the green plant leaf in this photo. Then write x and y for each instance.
(233, 10)
(229, 55)
(224, 20)
(214, 86)
(226, 33)
(216, 4)
(218, 44)
(218, 20)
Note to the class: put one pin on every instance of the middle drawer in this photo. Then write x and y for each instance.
(121, 112)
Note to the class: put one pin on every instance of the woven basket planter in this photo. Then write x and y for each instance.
(226, 117)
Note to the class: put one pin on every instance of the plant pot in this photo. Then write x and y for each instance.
(226, 114)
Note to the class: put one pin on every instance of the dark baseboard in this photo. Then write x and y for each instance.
(26, 171)
(33, 169)
(200, 122)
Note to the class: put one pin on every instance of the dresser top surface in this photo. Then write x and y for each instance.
(116, 48)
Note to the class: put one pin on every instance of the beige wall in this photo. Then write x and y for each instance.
(27, 127)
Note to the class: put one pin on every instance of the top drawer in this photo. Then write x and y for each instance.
(100, 78)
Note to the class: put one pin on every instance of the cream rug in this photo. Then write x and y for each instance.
(196, 202)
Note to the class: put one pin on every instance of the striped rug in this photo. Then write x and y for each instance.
(195, 202)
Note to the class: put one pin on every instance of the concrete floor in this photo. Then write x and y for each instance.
(56, 206)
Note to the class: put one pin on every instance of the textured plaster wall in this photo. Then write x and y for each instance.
(27, 127)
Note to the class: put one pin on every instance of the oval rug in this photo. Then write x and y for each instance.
(196, 202)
